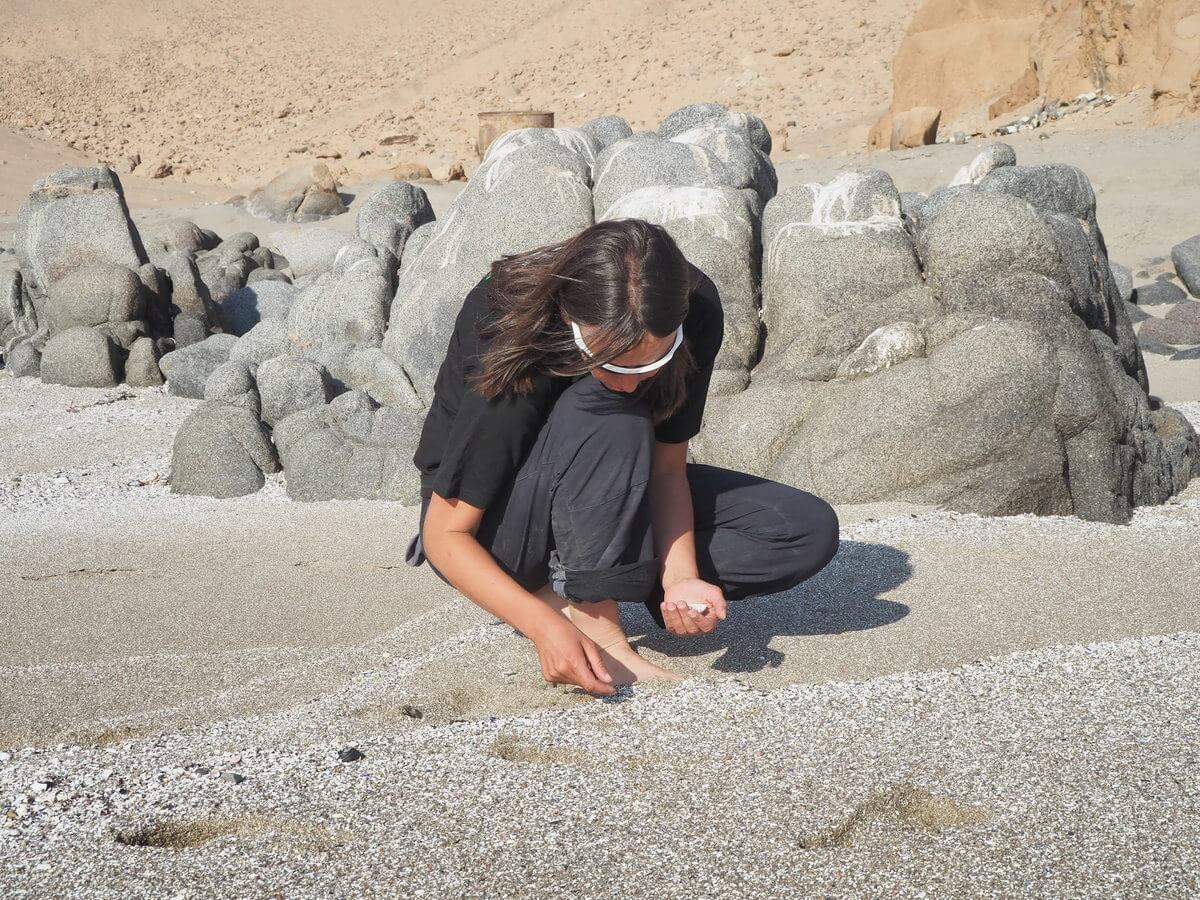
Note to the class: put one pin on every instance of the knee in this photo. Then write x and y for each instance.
(603, 420)
(816, 533)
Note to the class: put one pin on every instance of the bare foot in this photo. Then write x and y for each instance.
(602, 623)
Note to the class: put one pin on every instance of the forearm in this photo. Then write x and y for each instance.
(475, 573)
(674, 527)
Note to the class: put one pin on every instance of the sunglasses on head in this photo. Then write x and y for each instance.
(630, 370)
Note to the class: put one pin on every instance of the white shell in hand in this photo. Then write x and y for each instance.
(699, 607)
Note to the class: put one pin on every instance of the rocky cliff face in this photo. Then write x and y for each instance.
(975, 61)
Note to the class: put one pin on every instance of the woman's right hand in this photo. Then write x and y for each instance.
(568, 656)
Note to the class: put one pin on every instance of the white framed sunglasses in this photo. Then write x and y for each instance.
(630, 370)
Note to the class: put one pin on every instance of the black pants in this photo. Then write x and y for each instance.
(577, 513)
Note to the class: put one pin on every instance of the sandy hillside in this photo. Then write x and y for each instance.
(230, 92)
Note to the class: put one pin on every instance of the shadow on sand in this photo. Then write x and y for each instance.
(843, 597)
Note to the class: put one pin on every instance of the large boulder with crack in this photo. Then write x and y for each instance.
(81, 262)
(75, 217)
(977, 356)
(351, 448)
(838, 264)
(221, 450)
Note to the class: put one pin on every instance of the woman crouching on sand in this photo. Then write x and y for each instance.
(553, 460)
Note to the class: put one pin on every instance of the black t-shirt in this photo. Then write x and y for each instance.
(471, 447)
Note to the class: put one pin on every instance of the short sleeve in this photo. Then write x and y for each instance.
(704, 329)
(487, 442)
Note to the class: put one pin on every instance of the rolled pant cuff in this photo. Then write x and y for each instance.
(630, 583)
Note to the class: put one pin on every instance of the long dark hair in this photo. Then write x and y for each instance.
(626, 277)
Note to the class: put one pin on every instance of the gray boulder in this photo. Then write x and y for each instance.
(837, 265)
(352, 448)
(575, 141)
(745, 165)
(187, 369)
(233, 382)
(265, 340)
(1186, 355)
(606, 130)
(237, 244)
(390, 215)
(1186, 257)
(224, 270)
(22, 359)
(1157, 293)
(698, 115)
(309, 251)
(1181, 325)
(189, 293)
(221, 450)
(288, 384)
(247, 306)
(343, 310)
(75, 217)
(1135, 312)
(189, 329)
(95, 295)
(992, 157)
(80, 357)
(141, 367)
(635, 163)
(303, 193)
(268, 275)
(177, 234)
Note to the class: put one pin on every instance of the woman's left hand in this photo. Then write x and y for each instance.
(683, 620)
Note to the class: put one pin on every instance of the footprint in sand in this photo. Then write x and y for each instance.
(188, 835)
(905, 808)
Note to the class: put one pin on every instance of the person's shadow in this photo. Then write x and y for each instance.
(841, 597)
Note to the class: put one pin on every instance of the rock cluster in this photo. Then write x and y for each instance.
(1169, 319)
(971, 348)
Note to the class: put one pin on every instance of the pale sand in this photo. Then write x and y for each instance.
(829, 741)
(133, 608)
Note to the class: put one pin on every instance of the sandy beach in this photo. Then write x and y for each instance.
(256, 697)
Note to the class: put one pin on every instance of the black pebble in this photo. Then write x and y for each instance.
(350, 754)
